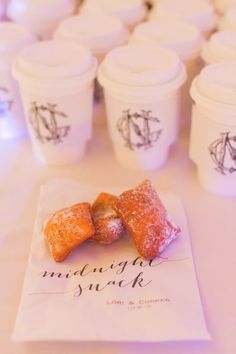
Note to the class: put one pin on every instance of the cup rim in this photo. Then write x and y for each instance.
(187, 48)
(217, 50)
(142, 91)
(222, 113)
(98, 43)
(206, 19)
(28, 64)
(129, 15)
(212, 83)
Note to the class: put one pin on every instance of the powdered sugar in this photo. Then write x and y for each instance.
(146, 219)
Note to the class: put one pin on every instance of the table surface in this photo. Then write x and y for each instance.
(211, 219)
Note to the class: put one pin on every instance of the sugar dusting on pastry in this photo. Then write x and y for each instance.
(67, 228)
(107, 230)
(108, 226)
(145, 217)
(139, 210)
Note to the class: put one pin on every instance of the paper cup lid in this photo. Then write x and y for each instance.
(183, 38)
(198, 12)
(128, 11)
(50, 8)
(13, 37)
(221, 47)
(141, 65)
(98, 32)
(217, 82)
(54, 59)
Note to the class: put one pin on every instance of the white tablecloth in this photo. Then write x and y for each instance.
(212, 222)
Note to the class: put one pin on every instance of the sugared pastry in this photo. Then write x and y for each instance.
(67, 228)
(146, 219)
(108, 226)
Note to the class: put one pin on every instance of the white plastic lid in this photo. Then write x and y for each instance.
(183, 38)
(54, 59)
(129, 12)
(221, 47)
(198, 12)
(228, 20)
(98, 32)
(14, 37)
(48, 8)
(141, 66)
(217, 83)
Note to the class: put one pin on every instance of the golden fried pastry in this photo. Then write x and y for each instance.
(67, 228)
(146, 219)
(108, 226)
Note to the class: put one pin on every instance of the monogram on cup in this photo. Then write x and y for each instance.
(5, 102)
(223, 153)
(139, 129)
(45, 119)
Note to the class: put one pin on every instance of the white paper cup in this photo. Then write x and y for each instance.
(228, 21)
(197, 12)
(13, 38)
(186, 40)
(213, 131)
(130, 12)
(100, 33)
(142, 96)
(43, 16)
(221, 47)
(56, 83)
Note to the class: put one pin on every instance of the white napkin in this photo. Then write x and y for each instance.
(107, 292)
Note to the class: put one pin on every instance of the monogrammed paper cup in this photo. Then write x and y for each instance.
(186, 40)
(56, 83)
(142, 96)
(197, 12)
(221, 47)
(41, 16)
(130, 12)
(213, 130)
(13, 38)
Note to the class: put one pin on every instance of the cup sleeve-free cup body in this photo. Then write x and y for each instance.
(213, 150)
(56, 81)
(13, 39)
(142, 88)
(142, 132)
(59, 127)
(12, 122)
